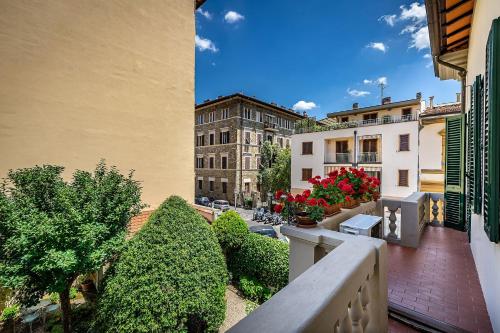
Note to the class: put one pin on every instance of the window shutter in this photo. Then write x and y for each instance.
(454, 173)
(403, 178)
(404, 142)
(477, 96)
(470, 179)
(492, 134)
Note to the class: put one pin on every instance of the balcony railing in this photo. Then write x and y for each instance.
(357, 123)
(345, 291)
(370, 157)
(340, 158)
(270, 126)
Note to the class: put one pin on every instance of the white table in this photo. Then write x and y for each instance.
(361, 224)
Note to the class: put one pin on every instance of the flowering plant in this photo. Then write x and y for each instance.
(300, 203)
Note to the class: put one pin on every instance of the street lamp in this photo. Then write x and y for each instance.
(235, 195)
(269, 200)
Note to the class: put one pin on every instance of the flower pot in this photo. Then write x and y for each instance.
(350, 204)
(364, 200)
(331, 210)
(304, 221)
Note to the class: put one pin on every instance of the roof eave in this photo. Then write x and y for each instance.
(375, 108)
(199, 3)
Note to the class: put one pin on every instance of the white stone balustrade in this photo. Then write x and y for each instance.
(345, 291)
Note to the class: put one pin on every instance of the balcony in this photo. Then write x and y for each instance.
(340, 158)
(270, 126)
(370, 157)
(422, 277)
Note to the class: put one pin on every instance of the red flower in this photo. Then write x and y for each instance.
(278, 208)
(322, 202)
(306, 193)
(312, 202)
(347, 198)
(289, 198)
(278, 194)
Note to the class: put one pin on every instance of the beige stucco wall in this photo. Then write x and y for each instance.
(486, 254)
(114, 79)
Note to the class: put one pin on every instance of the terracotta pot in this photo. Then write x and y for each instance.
(350, 204)
(304, 221)
(363, 200)
(331, 210)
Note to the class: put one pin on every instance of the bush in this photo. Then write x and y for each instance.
(10, 312)
(231, 230)
(170, 277)
(254, 290)
(263, 258)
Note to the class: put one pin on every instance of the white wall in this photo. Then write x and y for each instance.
(431, 146)
(486, 254)
(392, 160)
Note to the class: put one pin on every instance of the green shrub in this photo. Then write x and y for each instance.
(263, 258)
(231, 230)
(254, 290)
(171, 277)
(73, 292)
(10, 312)
(54, 298)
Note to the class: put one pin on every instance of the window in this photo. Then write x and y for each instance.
(280, 122)
(200, 184)
(280, 142)
(247, 162)
(257, 162)
(404, 142)
(211, 184)
(369, 145)
(247, 187)
(307, 148)
(223, 162)
(200, 140)
(258, 116)
(224, 187)
(200, 119)
(247, 113)
(224, 113)
(307, 174)
(211, 117)
(288, 143)
(406, 114)
(341, 147)
(199, 162)
(211, 138)
(259, 139)
(269, 138)
(224, 137)
(211, 162)
(370, 118)
(344, 119)
(403, 178)
(247, 138)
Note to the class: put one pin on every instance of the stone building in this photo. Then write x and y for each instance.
(228, 135)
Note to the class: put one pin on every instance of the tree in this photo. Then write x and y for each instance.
(171, 277)
(275, 169)
(231, 230)
(52, 231)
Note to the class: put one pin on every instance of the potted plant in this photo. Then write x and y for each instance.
(327, 190)
(307, 209)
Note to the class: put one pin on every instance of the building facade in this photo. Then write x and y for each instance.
(113, 80)
(383, 139)
(228, 134)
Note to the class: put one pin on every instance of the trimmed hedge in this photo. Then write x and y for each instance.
(170, 277)
(263, 258)
(254, 290)
(231, 230)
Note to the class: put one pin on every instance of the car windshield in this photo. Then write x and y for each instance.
(221, 202)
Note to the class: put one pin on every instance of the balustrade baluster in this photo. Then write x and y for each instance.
(346, 324)
(357, 314)
(365, 299)
(392, 223)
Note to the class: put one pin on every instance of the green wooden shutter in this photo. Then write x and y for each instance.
(477, 96)
(470, 179)
(492, 134)
(454, 173)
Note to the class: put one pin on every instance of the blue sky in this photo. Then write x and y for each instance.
(316, 55)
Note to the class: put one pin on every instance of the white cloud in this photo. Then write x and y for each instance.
(357, 93)
(420, 39)
(382, 80)
(204, 44)
(233, 17)
(427, 56)
(204, 13)
(416, 12)
(304, 106)
(409, 29)
(366, 81)
(389, 19)
(377, 46)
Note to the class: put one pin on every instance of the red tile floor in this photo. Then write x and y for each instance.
(439, 280)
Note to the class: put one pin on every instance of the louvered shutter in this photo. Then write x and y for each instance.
(477, 96)
(470, 164)
(492, 134)
(454, 173)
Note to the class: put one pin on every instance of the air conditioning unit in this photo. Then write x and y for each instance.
(361, 224)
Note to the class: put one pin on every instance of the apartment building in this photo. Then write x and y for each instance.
(114, 79)
(383, 139)
(228, 134)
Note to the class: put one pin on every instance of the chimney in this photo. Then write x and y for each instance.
(419, 95)
(304, 114)
(386, 100)
(459, 97)
(273, 103)
(355, 106)
(431, 102)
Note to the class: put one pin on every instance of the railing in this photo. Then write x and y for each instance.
(357, 123)
(406, 218)
(345, 291)
(270, 125)
(340, 158)
(369, 157)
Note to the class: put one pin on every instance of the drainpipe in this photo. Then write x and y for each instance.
(462, 72)
(241, 150)
(355, 164)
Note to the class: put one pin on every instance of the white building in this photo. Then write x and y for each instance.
(383, 139)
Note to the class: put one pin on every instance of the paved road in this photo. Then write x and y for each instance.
(247, 215)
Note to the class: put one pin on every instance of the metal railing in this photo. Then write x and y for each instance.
(369, 157)
(339, 158)
(358, 123)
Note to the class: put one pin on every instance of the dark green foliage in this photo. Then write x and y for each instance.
(263, 258)
(51, 230)
(170, 278)
(254, 290)
(231, 230)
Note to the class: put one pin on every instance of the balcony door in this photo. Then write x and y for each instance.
(369, 146)
(342, 153)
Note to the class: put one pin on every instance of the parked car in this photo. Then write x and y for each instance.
(203, 201)
(264, 230)
(221, 204)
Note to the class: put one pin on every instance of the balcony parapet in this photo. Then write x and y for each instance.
(345, 291)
